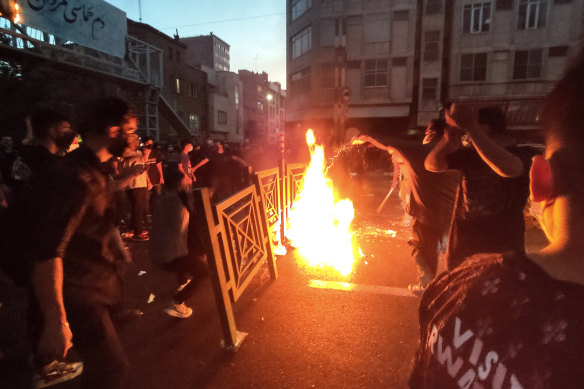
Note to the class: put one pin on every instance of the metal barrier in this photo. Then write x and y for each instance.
(237, 234)
(236, 240)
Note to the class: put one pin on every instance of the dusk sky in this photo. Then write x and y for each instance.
(255, 29)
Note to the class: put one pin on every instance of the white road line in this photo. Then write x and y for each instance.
(346, 286)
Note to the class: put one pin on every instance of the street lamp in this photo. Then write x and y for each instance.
(269, 97)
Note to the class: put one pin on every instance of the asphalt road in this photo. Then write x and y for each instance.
(307, 329)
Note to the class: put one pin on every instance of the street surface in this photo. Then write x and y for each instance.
(307, 329)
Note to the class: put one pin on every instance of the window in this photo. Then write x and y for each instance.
(327, 75)
(221, 117)
(527, 64)
(401, 15)
(236, 95)
(431, 45)
(476, 17)
(194, 122)
(376, 71)
(429, 89)
(302, 42)
(260, 106)
(532, 14)
(300, 81)
(193, 90)
(170, 53)
(434, 6)
(299, 7)
(558, 51)
(177, 90)
(473, 67)
(562, 1)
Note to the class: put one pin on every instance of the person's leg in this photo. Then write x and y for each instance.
(193, 268)
(96, 339)
(140, 195)
(425, 251)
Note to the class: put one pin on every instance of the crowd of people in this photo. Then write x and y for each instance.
(497, 317)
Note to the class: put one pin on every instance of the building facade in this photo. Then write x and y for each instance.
(225, 108)
(390, 66)
(208, 50)
(263, 106)
(182, 103)
(276, 100)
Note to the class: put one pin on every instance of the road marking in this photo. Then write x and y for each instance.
(347, 286)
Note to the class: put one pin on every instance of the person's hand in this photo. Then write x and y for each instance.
(56, 339)
(162, 180)
(360, 139)
(463, 116)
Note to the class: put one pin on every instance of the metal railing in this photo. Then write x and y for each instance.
(238, 235)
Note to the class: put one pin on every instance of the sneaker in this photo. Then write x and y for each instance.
(56, 372)
(128, 235)
(416, 289)
(141, 237)
(179, 310)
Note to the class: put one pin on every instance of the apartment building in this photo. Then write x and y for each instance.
(390, 65)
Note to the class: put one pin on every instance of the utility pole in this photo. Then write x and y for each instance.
(413, 122)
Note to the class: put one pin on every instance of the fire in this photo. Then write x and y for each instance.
(320, 225)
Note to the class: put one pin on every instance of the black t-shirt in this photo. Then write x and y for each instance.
(500, 321)
(489, 210)
(221, 164)
(433, 193)
(484, 192)
(71, 215)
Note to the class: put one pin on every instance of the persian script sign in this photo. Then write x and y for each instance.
(92, 23)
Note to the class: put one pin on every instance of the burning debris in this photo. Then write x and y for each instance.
(320, 225)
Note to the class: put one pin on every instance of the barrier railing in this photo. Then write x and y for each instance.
(238, 234)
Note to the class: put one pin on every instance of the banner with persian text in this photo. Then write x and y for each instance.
(92, 23)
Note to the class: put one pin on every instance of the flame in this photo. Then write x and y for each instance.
(319, 226)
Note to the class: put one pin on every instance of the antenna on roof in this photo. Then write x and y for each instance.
(140, 9)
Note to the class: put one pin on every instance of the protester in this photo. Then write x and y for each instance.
(489, 210)
(153, 159)
(138, 188)
(184, 165)
(221, 163)
(169, 246)
(77, 250)
(430, 202)
(513, 320)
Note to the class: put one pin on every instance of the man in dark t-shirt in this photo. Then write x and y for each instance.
(513, 320)
(489, 209)
(431, 201)
(77, 249)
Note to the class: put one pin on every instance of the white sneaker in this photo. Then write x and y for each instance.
(179, 310)
(56, 372)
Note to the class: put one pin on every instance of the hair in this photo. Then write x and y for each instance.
(103, 113)
(437, 125)
(562, 118)
(492, 117)
(45, 119)
(185, 142)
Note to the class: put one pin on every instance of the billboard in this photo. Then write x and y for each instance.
(92, 23)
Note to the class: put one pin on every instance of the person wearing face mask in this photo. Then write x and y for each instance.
(52, 135)
(75, 264)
